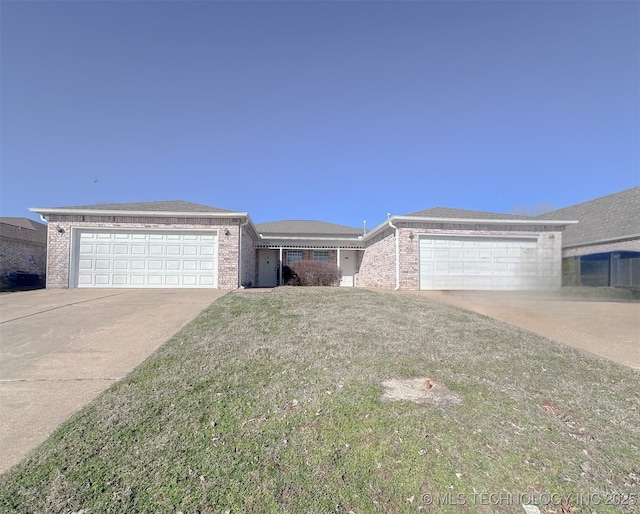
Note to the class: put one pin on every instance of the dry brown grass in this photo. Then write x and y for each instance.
(273, 402)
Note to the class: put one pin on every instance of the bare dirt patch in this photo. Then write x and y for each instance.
(419, 390)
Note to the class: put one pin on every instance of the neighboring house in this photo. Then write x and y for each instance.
(23, 251)
(181, 244)
(604, 248)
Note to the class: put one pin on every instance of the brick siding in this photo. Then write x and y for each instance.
(378, 266)
(59, 254)
(249, 260)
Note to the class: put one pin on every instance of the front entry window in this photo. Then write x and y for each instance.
(293, 256)
(321, 255)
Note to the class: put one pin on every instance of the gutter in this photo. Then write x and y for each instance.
(397, 251)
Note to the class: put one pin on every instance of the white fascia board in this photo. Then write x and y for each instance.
(153, 214)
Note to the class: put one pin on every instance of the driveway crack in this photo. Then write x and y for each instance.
(62, 306)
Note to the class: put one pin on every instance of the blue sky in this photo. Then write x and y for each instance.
(338, 111)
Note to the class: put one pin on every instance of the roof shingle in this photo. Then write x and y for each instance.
(23, 229)
(614, 216)
(306, 227)
(447, 212)
(163, 206)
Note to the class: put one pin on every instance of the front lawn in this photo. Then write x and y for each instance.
(272, 402)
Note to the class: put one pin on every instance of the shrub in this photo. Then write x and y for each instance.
(289, 278)
(313, 273)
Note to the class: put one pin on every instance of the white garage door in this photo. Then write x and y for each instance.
(146, 259)
(478, 263)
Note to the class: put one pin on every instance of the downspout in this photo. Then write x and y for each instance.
(45, 220)
(240, 227)
(397, 251)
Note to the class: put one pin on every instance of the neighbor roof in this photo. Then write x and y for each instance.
(23, 229)
(447, 212)
(611, 217)
(306, 227)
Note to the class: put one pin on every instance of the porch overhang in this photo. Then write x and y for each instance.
(306, 243)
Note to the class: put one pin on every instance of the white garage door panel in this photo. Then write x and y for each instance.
(154, 259)
(478, 263)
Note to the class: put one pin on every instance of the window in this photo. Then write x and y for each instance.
(321, 256)
(293, 256)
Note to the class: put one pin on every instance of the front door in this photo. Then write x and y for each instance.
(348, 267)
(267, 268)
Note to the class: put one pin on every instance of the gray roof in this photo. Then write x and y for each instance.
(23, 229)
(307, 228)
(615, 216)
(447, 212)
(168, 206)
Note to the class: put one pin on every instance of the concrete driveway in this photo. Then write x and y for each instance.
(59, 348)
(608, 327)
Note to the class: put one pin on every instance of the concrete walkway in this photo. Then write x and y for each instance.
(59, 348)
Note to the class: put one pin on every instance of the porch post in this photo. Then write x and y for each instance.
(280, 268)
(338, 257)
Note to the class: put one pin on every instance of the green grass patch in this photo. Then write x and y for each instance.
(272, 402)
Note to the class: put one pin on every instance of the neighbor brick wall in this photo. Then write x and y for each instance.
(23, 247)
(571, 271)
(59, 247)
(17, 255)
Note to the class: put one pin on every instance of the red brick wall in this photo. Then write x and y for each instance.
(378, 264)
(249, 260)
